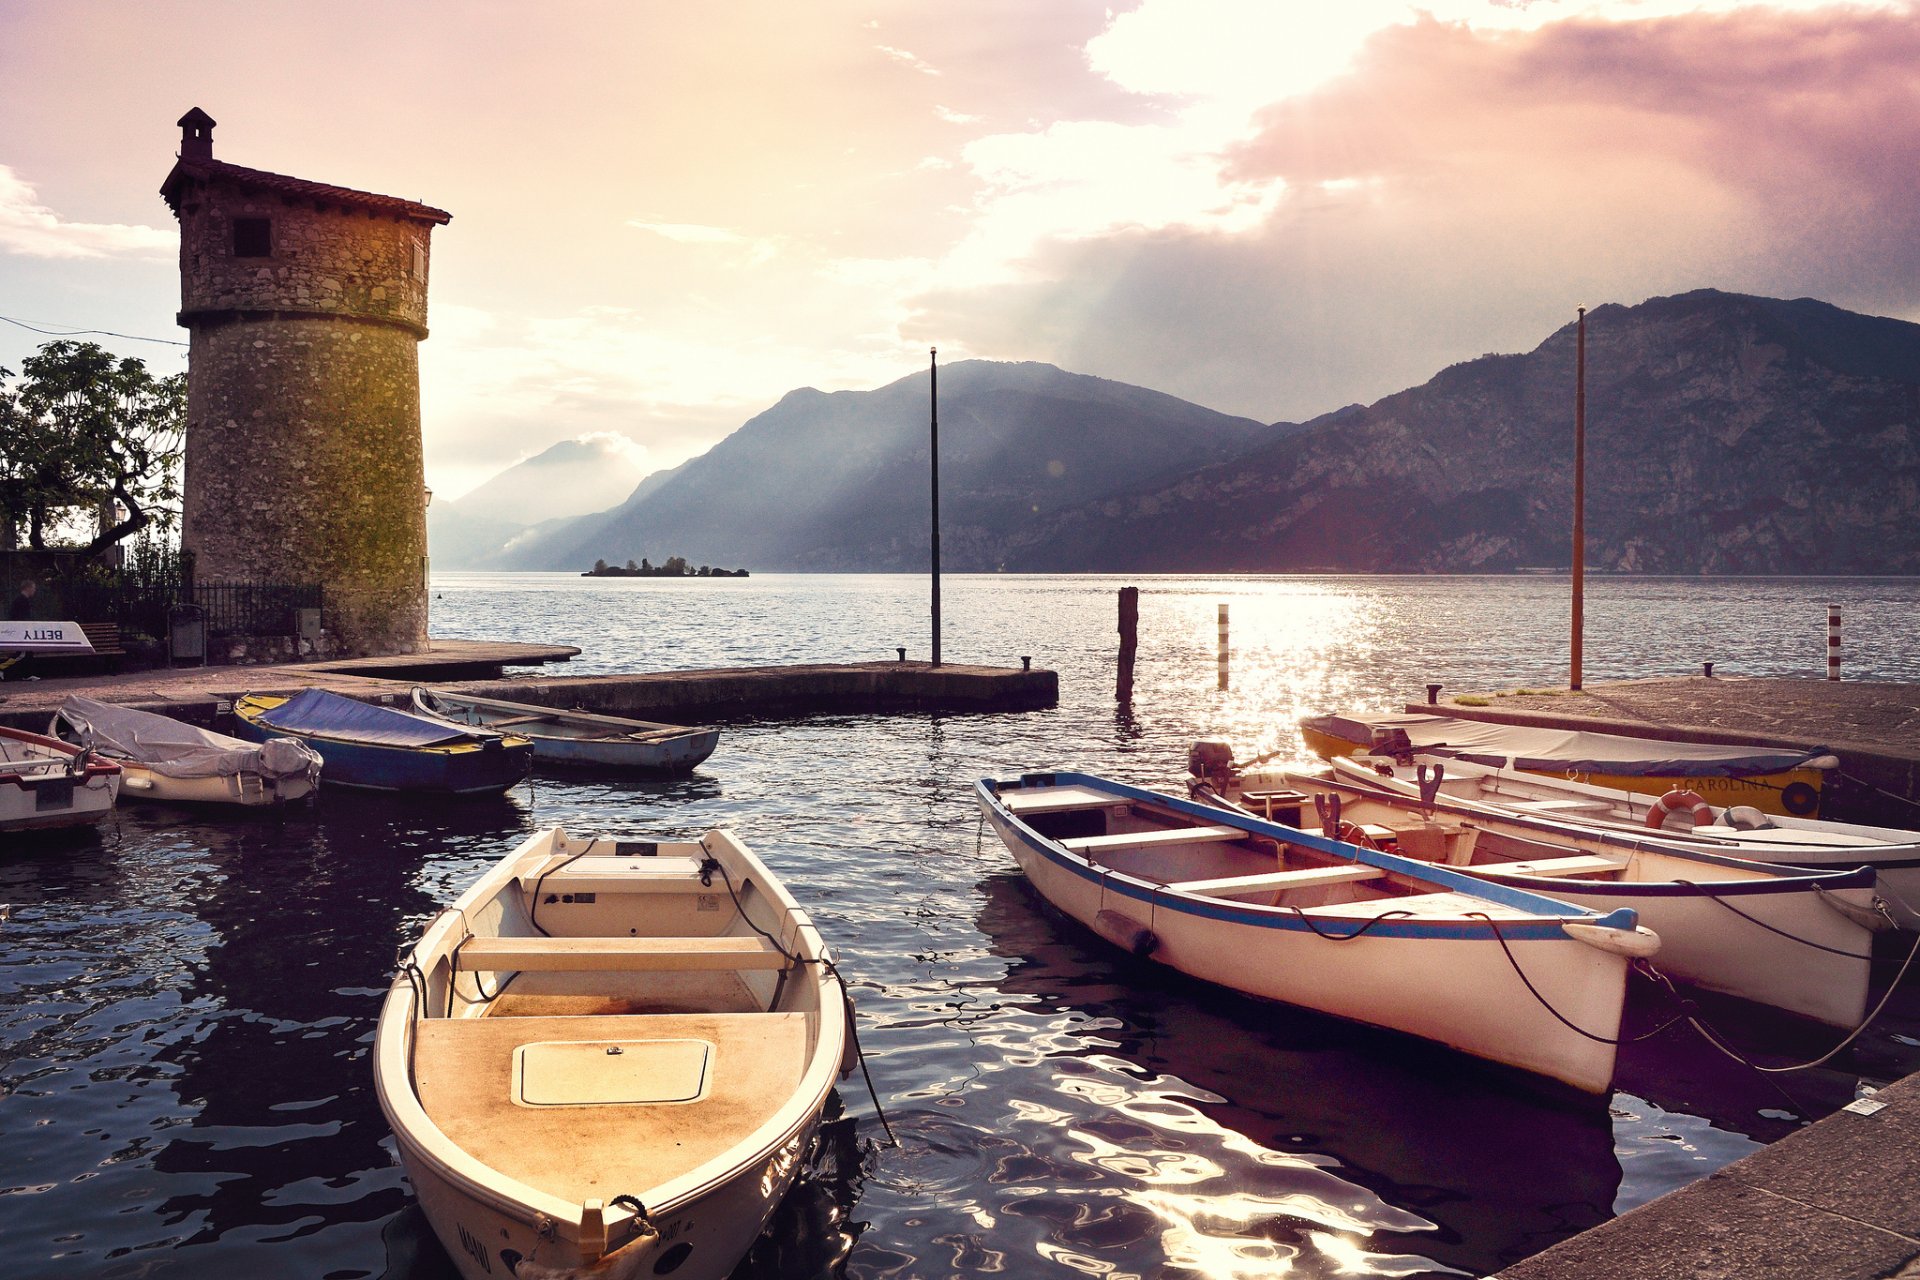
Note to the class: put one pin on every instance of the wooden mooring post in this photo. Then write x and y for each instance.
(1129, 640)
(1223, 644)
(1833, 642)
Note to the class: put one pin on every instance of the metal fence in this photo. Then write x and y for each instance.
(230, 608)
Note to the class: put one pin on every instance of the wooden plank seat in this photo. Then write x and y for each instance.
(1059, 800)
(467, 1069)
(1305, 878)
(501, 955)
(1577, 865)
(622, 875)
(1152, 839)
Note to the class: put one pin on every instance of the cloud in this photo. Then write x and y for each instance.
(908, 59)
(30, 229)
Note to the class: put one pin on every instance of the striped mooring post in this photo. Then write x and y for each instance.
(1833, 642)
(1223, 645)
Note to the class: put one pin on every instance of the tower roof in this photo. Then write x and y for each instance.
(211, 171)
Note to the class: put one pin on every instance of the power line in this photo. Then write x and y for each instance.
(76, 333)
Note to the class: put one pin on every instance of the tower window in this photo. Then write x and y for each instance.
(252, 237)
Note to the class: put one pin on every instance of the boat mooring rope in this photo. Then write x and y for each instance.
(1790, 937)
(712, 864)
(1528, 982)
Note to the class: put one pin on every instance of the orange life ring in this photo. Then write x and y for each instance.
(1673, 802)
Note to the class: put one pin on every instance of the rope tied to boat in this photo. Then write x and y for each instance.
(1709, 894)
(1318, 932)
(1533, 990)
(711, 864)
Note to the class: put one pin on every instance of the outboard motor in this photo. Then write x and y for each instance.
(1210, 759)
(1393, 742)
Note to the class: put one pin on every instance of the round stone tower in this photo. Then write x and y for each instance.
(306, 304)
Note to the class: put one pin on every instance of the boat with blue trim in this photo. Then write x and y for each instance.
(1271, 911)
(384, 749)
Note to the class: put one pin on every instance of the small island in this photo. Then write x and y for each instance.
(675, 567)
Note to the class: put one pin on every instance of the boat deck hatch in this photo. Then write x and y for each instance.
(597, 1073)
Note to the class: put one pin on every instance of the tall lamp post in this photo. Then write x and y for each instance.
(1579, 494)
(933, 369)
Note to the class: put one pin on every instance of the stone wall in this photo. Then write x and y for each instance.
(304, 465)
(333, 261)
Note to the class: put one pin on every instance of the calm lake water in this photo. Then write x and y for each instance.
(186, 1005)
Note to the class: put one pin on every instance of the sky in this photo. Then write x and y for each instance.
(666, 216)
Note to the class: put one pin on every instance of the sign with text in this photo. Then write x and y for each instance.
(43, 637)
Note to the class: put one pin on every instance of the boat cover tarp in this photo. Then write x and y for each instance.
(178, 750)
(1563, 750)
(331, 715)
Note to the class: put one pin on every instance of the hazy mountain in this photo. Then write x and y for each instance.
(586, 474)
(1725, 434)
(840, 481)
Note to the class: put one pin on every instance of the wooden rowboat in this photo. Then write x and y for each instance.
(580, 738)
(1488, 969)
(46, 783)
(1734, 831)
(383, 749)
(1792, 938)
(609, 1058)
(167, 760)
(1775, 780)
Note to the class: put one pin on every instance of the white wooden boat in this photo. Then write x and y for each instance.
(167, 760)
(1779, 780)
(608, 1058)
(581, 738)
(1796, 939)
(1489, 969)
(1735, 831)
(46, 783)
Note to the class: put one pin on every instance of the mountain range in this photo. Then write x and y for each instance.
(1725, 434)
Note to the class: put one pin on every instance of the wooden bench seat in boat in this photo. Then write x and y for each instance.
(622, 875)
(591, 1132)
(1150, 839)
(500, 955)
(1577, 865)
(1424, 905)
(1305, 878)
(1060, 800)
(1558, 806)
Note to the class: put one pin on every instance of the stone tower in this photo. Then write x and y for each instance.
(306, 304)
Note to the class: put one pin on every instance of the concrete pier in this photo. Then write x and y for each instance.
(1873, 726)
(196, 694)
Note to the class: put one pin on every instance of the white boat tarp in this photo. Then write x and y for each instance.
(179, 750)
(1554, 750)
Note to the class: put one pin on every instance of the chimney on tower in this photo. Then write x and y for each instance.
(196, 135)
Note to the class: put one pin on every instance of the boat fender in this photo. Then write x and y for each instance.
(1636, 943)
(1126, 932)
(1744, 817)
(1673, 802)
(1873, 917)
(136, 782)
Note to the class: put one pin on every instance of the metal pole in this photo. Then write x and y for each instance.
(1833, 642)
(933, 366)
(1579, 496)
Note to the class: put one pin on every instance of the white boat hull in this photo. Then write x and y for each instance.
(247, 789)
(1451, 982)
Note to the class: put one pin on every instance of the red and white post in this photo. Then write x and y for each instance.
(1833, 642)
(1223, 645)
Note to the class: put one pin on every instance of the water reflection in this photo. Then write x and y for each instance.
(1253, 1132)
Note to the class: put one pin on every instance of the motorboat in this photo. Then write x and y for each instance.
(169, 760)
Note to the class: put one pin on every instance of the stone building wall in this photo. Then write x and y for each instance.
(304, 464)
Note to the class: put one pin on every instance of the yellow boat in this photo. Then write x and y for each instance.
(1778, 780)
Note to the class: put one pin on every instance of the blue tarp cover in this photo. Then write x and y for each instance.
(329, 714)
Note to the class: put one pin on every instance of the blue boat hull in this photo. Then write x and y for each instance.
(383, 768)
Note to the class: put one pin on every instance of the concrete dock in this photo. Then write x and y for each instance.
(197, 694)
(1873, 726)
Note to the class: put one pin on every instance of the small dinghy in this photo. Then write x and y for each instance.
(1792, 938)
(581, 738)
(1488, 969)
(384, 749)
(165, 759)
(608, 1058)
(47, 783)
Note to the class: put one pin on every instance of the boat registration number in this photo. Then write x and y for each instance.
(55, 793)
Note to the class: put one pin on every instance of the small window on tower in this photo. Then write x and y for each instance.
(419, 261)
(252, 237)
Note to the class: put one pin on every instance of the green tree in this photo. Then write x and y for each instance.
(80, 426)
